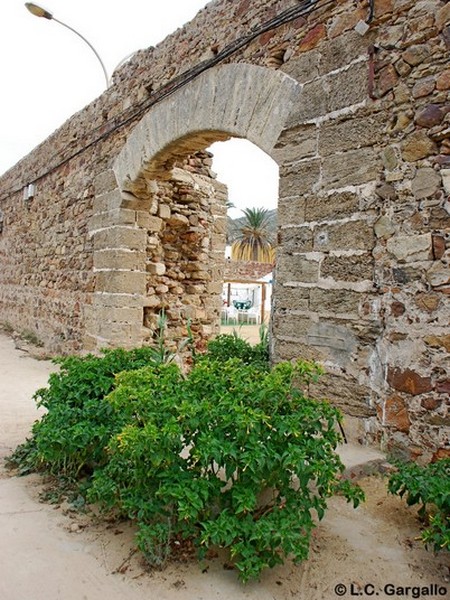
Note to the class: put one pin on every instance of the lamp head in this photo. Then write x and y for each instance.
(38, 11)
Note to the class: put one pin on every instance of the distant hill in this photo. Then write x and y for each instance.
(235, 224)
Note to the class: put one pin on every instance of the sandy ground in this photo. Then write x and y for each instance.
(54, 553)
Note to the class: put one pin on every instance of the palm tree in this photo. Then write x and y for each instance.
(253, 240)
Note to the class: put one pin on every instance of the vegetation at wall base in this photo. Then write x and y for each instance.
(429, 487)
(232, 454)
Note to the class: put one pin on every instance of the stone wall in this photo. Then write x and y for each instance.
(245, 270)
(127, 218)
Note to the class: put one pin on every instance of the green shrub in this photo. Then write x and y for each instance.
(226, 456)
(71, 437)
(428, 486)
(227, 346)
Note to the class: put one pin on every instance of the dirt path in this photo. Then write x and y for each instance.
(53, 553)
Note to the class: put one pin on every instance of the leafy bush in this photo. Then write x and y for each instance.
(428, 486)
(226, 456)
(71, 437)
(227, 346)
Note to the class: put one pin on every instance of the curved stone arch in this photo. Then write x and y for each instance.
(235, 100)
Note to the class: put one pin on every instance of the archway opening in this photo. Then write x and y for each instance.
(252, 180)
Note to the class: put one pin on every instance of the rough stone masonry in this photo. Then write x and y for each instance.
(127, 217)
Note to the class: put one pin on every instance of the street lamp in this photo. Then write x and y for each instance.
(38, 11)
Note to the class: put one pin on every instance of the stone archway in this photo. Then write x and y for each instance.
(325, 304)
(238, 100)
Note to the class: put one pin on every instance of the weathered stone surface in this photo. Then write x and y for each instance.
(430, 115)
(331, 206)
(291, 298)
(296, 144)
(439, 274)
(350, 134)
(347, 268)
(424, 87)
(384, 227)
(347, 88)
(294, 327)
(291, 211)
(386, 191)
(121, 282)
(350, 168)
(439, 246)
(438, 341)
(443, 80)
(414, 55)
(300, 178)
(418, 145)
(389, 158)
(396, 413)
(387, 79)
(429, 302)
(296, 239)
(410, 248)
(345, 393)
(336, 301)
(426, 183)
(304, 67)
(408, 381)
(356, 235)
(297, 268)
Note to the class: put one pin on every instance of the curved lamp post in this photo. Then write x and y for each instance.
(38, 11)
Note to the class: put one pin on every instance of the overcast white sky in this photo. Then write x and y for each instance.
(48, 73)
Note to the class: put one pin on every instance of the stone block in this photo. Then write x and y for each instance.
(107, 201)
(439, 274)
(294, 350)
(296, 144)
(296, 239)
(384, 227)
(291, 211)
(347, 88)
(350, 133)
(345, 393)
(299, 178)
(411, 248)
(425, 183)
(304, 67)
(343, 49)
(119, 259)
(149, 222)
(408, 381)
(438, 341)
(105, 182)
(131, 316)
(118, 300)
(120, 237)
(156, 268)
(121, 282)
(331, 206)
(336, 342)
(289, 325)
(335, 301)
(291, 298)
(348, 268)
(350, 168)
(110, 218)
(353, 235)
(296, 268)
(312, 104)
(417, 146)
(396, 414)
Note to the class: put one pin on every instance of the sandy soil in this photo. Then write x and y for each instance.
(52, 552)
